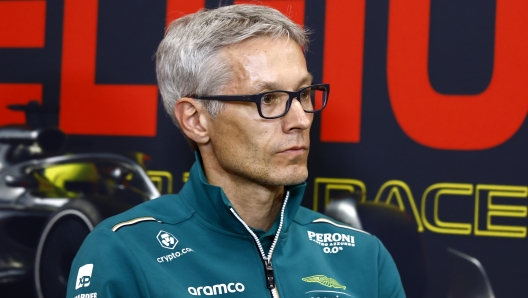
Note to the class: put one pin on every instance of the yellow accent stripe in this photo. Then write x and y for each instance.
(324, 220)
(132, 221)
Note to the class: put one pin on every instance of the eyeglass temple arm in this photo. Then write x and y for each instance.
(245, 98)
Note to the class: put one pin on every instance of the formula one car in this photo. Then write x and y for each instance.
(50, 202)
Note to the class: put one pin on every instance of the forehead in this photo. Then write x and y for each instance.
(264, 62)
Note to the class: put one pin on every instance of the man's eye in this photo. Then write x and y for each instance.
(305, 94)
(268, 98)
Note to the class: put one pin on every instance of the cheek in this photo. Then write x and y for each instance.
(254, 133)
(257, 144)
(243, 134)
(234, 137)
(269, 140)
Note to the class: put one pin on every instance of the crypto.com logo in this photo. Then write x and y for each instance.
(166, 239)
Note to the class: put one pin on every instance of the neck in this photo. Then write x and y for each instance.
(258, 205)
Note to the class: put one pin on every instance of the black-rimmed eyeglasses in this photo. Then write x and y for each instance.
(275, 104)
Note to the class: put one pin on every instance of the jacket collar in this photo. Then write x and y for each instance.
(213, 206)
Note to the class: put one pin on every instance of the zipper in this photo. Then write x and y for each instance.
(268, 268)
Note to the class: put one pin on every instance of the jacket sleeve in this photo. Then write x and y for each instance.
(105, 267)
(389, 281)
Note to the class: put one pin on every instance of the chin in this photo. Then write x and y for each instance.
(278, 176)
(293, 177)
(293, 182)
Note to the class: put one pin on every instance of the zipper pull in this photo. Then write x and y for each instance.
(270, 279)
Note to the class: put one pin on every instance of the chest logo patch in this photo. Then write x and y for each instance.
(324, 280)
(332, 242)
(166, 240)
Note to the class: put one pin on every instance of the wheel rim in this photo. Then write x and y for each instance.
(58, 245)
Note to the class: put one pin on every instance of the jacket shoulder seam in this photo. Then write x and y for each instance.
(326, 220)
(132, 221)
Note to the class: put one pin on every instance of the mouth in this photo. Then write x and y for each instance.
(295, 150)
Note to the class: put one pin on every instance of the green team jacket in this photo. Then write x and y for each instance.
(194, 244)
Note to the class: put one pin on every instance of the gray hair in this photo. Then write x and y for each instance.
(188, 59)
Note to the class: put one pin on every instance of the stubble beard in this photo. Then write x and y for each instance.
(264, 172)
(263, 176)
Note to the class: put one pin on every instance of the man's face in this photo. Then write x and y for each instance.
(263, 151)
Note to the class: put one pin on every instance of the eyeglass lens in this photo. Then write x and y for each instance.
(275, 103)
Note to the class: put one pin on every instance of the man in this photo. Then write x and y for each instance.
(236, 228)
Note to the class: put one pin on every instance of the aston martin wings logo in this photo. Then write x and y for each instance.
(325, 281)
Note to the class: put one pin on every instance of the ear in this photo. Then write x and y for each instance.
(193, 119)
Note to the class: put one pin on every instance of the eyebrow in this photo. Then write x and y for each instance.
(262, 86)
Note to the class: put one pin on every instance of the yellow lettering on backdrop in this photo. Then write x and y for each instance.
(395, 187)
(440, 189)
(330, 184)
(484, 196)
(505, 191)
(159, 178)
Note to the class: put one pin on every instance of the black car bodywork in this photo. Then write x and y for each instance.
(50, 202)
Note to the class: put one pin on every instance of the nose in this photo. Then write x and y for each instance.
(297, 118)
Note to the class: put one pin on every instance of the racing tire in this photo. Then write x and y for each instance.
(59, 242)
